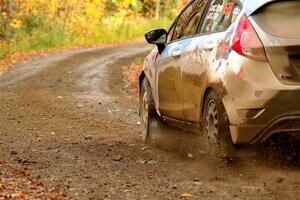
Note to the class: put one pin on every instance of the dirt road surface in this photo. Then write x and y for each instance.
(70, 121)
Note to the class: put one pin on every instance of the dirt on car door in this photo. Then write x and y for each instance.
(168, 81)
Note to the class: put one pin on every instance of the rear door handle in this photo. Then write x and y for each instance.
(210, 45)
(176, 53)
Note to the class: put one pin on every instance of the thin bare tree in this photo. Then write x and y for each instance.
(157, 9)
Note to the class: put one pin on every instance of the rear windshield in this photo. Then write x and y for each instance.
(281, 18)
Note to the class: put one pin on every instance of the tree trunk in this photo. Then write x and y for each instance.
(157, 9)
(9, 12)
(9, 8)
(1, 19)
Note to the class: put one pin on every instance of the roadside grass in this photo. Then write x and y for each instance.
(55, 37)
(125, 30)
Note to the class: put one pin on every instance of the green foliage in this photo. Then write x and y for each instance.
(32, 23)
(129, 30)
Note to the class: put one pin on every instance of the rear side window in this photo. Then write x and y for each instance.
(188, 21)
(219, 15)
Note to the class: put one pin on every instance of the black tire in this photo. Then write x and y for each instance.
(217, 139)
(147, 110)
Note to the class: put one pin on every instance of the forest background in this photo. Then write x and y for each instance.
(33, 25)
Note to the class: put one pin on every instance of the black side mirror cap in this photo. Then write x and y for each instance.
(158, 36)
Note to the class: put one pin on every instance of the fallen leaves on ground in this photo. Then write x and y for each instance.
(131, 75)
(18, 184)
(186, 195)
(9, 60)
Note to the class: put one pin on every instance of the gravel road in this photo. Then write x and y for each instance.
(69, 119)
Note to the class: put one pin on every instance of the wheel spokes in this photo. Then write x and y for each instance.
(145, 112)
(212, 123)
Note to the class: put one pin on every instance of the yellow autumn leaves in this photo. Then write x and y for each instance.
(43, 24)
(16, 23)
(186, 195)
(77, 16)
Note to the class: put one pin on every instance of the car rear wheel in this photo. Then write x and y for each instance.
(216, 131)
(147, 110)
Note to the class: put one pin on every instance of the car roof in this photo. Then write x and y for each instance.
(250, 5)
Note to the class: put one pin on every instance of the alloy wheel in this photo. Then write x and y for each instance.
(145, 116)
(212, 123)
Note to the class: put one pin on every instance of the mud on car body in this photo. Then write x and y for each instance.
(232, 67)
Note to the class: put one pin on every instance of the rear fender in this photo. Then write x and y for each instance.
(218, 88)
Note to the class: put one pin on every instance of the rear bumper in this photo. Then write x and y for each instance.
(256, 102)
(260, 133)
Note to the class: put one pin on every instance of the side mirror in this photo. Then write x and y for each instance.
(158, 36)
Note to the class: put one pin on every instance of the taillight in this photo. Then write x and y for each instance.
(246, 42)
